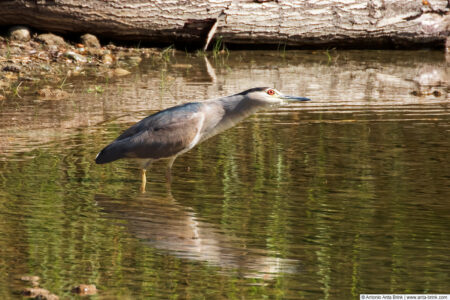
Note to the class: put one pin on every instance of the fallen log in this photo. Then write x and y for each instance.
(297, 23)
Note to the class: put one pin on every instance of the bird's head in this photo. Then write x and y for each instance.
(270, 96)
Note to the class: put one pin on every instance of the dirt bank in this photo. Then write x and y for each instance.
(42, 64)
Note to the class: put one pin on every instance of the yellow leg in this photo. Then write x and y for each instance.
(144, 180)
(169, 170)
(168, 175)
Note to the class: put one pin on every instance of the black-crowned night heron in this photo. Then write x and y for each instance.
(176, 130)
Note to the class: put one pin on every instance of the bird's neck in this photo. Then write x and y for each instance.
(239, 109)
(230, 111)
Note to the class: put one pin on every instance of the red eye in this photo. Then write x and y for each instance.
(271, 92)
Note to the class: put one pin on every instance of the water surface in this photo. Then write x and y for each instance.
(343, 195)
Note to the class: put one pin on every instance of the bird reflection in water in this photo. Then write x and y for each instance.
(164, 224)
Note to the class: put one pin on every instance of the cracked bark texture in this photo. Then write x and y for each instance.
(313, 23)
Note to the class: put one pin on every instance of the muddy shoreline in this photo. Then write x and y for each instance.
(41, 65)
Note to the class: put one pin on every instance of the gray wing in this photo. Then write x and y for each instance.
(161, 135)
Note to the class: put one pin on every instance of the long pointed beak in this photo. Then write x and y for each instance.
(294, 98)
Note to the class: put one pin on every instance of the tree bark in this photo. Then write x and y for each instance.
(299, 23)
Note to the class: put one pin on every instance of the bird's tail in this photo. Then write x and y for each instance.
(108, 154)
